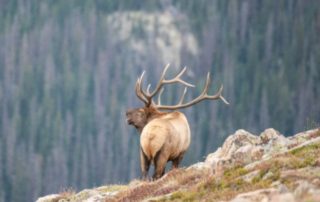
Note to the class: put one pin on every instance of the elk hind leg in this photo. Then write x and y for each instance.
(176, 161)
(160, 162)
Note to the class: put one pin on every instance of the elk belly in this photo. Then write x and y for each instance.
(152, 139)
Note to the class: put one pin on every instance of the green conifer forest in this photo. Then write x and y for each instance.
(68, 70)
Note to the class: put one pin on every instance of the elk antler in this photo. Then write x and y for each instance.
(139, 91)
(146, 97)
(203, 96)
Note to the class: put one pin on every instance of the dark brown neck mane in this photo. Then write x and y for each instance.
(151, 113)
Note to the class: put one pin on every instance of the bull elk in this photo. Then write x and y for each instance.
(164, 136)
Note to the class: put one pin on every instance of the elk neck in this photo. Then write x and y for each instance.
(151, 113)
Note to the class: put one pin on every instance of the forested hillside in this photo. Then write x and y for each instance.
(68, 69)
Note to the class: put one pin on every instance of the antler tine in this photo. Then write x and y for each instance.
(138, 89)
(183, 95)
(178, 79)
(218, 95)
(159, 96)
(221, 97)
(206, 86)
(140, 85)
(148, 88)
(164, 71)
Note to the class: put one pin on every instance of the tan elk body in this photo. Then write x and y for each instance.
(164, 136)
(168, 135)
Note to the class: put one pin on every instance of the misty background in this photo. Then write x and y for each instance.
(68, 70)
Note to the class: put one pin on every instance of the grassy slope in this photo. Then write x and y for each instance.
(198, 184)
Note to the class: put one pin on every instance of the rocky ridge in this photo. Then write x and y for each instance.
(246, 168)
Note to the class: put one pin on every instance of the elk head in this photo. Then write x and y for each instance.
(139, 117)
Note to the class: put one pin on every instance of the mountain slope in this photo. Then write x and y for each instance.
(268, 167)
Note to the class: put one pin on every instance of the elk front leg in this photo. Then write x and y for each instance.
(145, 164)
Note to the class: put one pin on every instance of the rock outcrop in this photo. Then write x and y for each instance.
(246, 168)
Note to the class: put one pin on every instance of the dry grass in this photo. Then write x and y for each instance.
(315, 134)
(65, 195)
(172, 181)
(200, 185)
